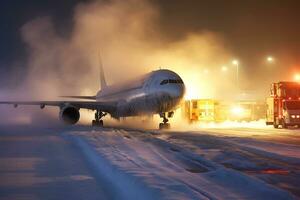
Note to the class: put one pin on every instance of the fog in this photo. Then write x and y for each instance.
(128, 37)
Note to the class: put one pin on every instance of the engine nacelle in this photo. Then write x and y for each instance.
(69, 114)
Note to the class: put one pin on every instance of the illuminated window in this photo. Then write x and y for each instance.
(195, 105)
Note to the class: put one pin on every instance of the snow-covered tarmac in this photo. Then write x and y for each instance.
(36, 163)
(82, 162)
(238, 163)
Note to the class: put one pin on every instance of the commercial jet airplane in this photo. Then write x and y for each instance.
(158, 92)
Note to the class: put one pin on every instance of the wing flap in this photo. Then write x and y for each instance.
(80, 97)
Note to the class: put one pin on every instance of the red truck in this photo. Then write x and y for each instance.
(283, 106)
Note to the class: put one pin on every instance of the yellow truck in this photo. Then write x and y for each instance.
(200, 110)
(247, 111)
(210, 110)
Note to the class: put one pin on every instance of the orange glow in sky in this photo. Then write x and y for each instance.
(297, 77)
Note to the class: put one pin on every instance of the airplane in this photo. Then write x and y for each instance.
(158, 92)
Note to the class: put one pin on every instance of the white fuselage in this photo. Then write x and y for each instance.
(157, 92)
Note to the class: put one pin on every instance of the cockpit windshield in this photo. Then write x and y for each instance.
(171, 81)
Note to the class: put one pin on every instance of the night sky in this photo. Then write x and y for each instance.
(14, 14)
(251, 29)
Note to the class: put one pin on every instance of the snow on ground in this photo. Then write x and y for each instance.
(169, 165)
(283, 150)
(275, 163)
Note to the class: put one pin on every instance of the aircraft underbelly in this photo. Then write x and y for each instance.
(145, 105)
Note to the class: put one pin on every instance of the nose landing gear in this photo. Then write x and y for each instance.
(165, 124)
(98, 121)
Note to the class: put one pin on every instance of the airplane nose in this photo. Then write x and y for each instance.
(177, 92)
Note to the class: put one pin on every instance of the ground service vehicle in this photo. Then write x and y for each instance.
(202, 110)
(210, 110)
(247, 111)
(283, 106)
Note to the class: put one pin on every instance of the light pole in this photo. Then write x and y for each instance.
(236, 63)
(270, 59)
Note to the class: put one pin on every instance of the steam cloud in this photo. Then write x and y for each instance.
(128, 35)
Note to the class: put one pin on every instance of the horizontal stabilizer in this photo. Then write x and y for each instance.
(80, 97)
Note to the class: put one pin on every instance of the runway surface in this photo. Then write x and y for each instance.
(288, 136)
(272, 155)
(36, 163)
(82, 162)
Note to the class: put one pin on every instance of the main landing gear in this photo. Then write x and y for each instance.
(165, 116)
(98, 121)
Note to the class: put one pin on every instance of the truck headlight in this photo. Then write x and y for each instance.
(298, 116)
(293, 116)
(238, 111)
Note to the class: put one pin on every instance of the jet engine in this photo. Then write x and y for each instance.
(69, 114)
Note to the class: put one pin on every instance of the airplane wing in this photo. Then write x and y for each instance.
(80, 97)
(91, 105)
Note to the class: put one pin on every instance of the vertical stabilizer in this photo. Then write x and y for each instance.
(102, 76)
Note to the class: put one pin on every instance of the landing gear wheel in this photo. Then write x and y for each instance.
(276, 123)
(284, 125)
(97, 121)
(164, 126)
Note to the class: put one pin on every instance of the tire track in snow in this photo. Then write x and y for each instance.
(185, 159)
(268, 159)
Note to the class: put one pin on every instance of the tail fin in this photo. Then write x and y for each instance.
(102, 77)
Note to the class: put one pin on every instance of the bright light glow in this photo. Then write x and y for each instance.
(235, 62)
(270, 59)
(224, 69)
(297, 77)
(206, 71)
(199, 85)
(238, 111)
(191, 93)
